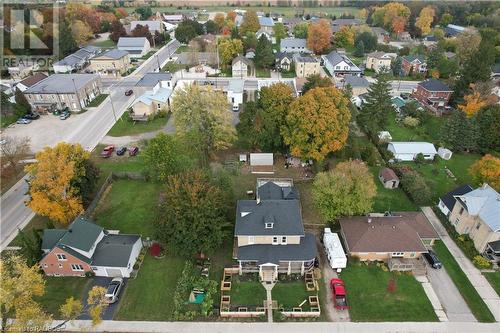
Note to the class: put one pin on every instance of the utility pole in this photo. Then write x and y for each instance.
(112, 106)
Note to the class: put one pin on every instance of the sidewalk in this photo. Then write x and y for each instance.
(479, 282)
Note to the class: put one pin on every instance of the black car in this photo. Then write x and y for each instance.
(121, 151)
(31, 116)
(433, 260)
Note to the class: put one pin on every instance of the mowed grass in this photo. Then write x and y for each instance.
(129, 207)
(107, 43)
(59, 289)
(116, 163)
(394, 200)
(468, 292)
(494, 279)
(150, 295)
(247, 293)
(428, 131)
(291, 294)
(125, 126)
(98, 100)
(369, 299)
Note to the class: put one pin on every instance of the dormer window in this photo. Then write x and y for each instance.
(269, 225)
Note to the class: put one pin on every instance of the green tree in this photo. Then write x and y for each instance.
(191, 216)
(346, 190)
(378, 106)
(250, 126)
(396, 66)
(31, 246)
(202, 120)
(228, 49)
(459, 133)
(67, 43)
(300, 30)
(165, 156)
(187, 30)
(314, 81)
(212, 27)
(488, 123)
(446, 19)
(359, 50)
(264, 56)
(279, 31)
(369, 41)
(416, 187)
(117, 31)
(145, 12)
(250, 41)
(250, 22)
(21, 101)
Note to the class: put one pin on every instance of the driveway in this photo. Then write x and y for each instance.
(110, 310)
(453, 304)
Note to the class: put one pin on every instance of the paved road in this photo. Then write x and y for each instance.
(87, 129)
(483, 287)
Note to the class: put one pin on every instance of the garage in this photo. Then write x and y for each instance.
(114, 272)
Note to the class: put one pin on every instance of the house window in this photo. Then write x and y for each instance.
(457, 221)
(61, 256)
(283, 240)
(478, 226)
(275, 240)
(398, 254)
(159, 106)
(77, 267)
(461, 210)
(269, 225)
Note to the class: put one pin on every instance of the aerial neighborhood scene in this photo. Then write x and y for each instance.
(224, 166)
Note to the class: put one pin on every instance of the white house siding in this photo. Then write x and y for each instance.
(443, 208)
(62, 69)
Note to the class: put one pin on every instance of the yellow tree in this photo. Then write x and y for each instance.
(479, 97)
(393, 15)
(317, 123)
(319, 36)
(228, 49)
(219, 19)
(250, 22)
(363, 13)
(344, 37)
(424, 20)
(81, 32)
(486, 170)
(54, 179)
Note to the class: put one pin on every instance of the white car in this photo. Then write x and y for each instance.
(113, 290)
(236, 108)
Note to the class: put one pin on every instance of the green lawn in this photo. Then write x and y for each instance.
(148, 55)
(7, 120)
(182, 48)
(116, 163)
(125, 126)
(58, 289)
(369, 299)
(494, 279)
(261, 72)
(98, 100)
(468, 292)
(37, 222)
(129, 207)
(289, 74)
(150, 295)
(248, 293)
(108, 43)
(291, 294)
(172, 67)
(389, 200)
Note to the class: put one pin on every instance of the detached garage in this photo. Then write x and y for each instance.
(408, 151)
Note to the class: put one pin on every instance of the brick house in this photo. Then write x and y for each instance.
(86, 247)
(433, 94)
(413, 64)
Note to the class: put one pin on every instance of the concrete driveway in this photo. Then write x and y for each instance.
(110, 310)
(453, 304)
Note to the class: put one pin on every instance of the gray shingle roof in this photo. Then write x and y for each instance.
(305, 59)
(81, 234)
(356, 81)
(272, 191)
(434, 85)
(485, 203)
(293, 42)
(267, 253)
(61, 83)
(449, 198)
(413, 57)
(335, 58)
(131, 41)
(152, 25)
(151, 79)
(113, 54)
(114, 250)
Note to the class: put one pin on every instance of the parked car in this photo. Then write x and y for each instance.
(433, 260)
(132, 151)
(128, 92)
(121, 151)
(338, 293)
(23, 121)
(107, 151)
(32, 115)
(64, 115)
(404, 95)
(114, 288)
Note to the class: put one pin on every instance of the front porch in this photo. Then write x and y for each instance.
(268, 272)
(414, 265)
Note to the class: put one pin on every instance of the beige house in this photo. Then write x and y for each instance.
(269, 233)
(477, 213)
(153, 93)
(306, 66)
(379, 61)
(397, 239)
(113, 62)
(58, 91)
(242, 67)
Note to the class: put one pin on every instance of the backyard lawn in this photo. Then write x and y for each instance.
(468, 292)
(494, 279)
(369, 299)
(150, 295)
(390, 200)
(108, 43)
(260, 72)
(116, 163)
(292, 294)
(58, 289)
(125, 126)
(428, 131)
(129, 206)
(247, 293)
(98, 100)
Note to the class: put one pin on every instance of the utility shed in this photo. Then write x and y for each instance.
(262, 163)
(407, 151)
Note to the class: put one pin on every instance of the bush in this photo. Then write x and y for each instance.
(481, 262)
(416, 188)
(411, 122)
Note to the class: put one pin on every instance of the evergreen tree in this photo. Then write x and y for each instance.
(396, 66)
(359, 50)
(31, 246)
(264, 56)
(234, 33)
(488, 123)
(459, 133)
(21, 101)
(375, 112)
(67, 43)
(369, 41)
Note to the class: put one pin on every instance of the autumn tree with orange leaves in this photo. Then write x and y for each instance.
(59, 180)
(486, 170)
(319, 36)
(317, 123)
(477, 99)
(393, 16)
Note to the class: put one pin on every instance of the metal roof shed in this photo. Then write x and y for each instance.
(262, 163)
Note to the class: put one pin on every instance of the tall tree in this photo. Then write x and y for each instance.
(264, 56)
(446, 19)
(467, 44)
(319, 35)
(317, 123)
(486, 170)
(21, 101)
(81, 32)
(211, 27)
(473, 102)
(191, 207)
(142, 31)
(279, 31)
(488, 122)
(202, 120)
(117, 31)
(369, 40)
(459, 133)
(378, 106)
(300, 30)
(316, 80)
(67, 43)
(220, 20)
(425, 19)
(228, 49)
(393, 16)
(187, 30)
(250, 22)
(145, 12)
(250, 41)
(359, 50)
(346, 190)
(344, 37)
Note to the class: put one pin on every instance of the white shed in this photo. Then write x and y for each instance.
(333, 249)
(444, 153)
(262, 162)
(407, 151)
(384, 136)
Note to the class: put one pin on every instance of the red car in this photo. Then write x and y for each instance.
(107, 151)
(339, 294)
(132, 151)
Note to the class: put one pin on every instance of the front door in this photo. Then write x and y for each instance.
(268, 273)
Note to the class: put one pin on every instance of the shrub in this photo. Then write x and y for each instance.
(420, 159)
(411, 122)
(155, 250)
(416, 188)
(481, 262)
